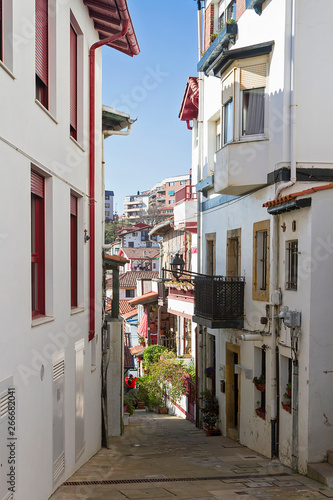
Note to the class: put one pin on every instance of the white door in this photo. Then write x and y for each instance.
(79, 398)
(58, 362)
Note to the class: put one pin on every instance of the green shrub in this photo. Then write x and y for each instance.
(152, 354)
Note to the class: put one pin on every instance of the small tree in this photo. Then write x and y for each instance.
(152, 354)
(167, 376)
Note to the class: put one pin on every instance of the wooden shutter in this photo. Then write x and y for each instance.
(37, 184)
(41, 43)
(228, 88)
(253, 77)
(73, 78)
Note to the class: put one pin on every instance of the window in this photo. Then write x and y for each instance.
(37, 245)
(260, 362)
(217, 135)
(292, 264)
(171, 202)
(182, 183)
(253, 111)
(73, 82)
(234, 252)
(210, 254)
(228, 122)
(260, 288)
(231, 10)
(74, 252)
(144, 235)
(42, 49)
(131, 244)
(171, 183)
(107, 205)
(244, 89)
(130, 294)
(6, 33)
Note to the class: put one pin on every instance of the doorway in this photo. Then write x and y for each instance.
(232, 391)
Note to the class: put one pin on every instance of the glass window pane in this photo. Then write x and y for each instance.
(253, 111)
(228, 122)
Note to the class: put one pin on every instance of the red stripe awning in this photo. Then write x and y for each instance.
(143, 326)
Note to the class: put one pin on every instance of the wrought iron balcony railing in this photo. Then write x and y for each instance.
(219, 301)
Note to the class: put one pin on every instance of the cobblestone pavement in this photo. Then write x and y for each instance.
(165, 457)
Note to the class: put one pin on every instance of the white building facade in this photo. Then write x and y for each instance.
(264, 232)
(50, 380)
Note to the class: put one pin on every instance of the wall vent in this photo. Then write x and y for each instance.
(58, 369)
(58, 467)
(4, 400)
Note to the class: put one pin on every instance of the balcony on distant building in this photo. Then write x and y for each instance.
(255, 4)
(185, 210)
(224, 37)
(219, 301)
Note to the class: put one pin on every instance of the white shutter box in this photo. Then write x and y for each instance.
(228, 88)
(253, 77)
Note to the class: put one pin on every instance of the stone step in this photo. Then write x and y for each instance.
(322, 472)
(330, 457)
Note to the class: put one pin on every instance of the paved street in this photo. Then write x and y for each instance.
(165, 457)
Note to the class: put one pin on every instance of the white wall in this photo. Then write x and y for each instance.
(29, 135)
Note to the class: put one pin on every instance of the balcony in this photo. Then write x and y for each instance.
(185, 193)
(255, 4)
(219, 301)
(221, 42)
(160, 199)
(241, 167)
(152, 195)
(185, 210)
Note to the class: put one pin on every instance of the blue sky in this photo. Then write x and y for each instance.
(150, 87)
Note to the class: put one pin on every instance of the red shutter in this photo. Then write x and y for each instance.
(37, 184)
(73, 79)
(73, 205)
(41, 45)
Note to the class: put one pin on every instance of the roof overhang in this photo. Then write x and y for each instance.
(289, 206)
(190, 104)
(114, 261)
(227, 57)
(146, 298)
(162, 227)
(115, 120)
(109, 17)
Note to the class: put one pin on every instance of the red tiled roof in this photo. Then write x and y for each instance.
(116, 258)
(139, 253)
(137, 350)
(109, 17)
(130, 314)
(291, 196)
(146, 298)
(129, 279)
(190, 103)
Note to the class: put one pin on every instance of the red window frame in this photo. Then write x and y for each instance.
(73, 82)
(37, 246)
(41, 51)
(74, 252)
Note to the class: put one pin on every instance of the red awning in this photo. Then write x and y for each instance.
(143, 326)
(109, 17)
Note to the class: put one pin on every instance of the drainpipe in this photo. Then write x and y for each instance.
(92, 174)
(108, 133)
(293, 104)
(275, 399)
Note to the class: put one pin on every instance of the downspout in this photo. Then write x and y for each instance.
(108, 133)
(275, 399)
(92, 173)
(293, 104)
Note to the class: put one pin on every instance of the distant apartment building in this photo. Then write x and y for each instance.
(160, 199)
(109, 205)
(136, 205)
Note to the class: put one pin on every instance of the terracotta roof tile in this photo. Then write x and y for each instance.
(139, 253)
(129, 279)
(144, 299)
(128, 358)
(291, 196)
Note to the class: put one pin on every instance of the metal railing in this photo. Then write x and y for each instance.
(185, 193)
(219, 297)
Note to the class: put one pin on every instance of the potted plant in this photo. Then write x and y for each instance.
(260, 411)
(286, 403)
(210, 372)
(141, 340)
(260, 383)
(210, 413)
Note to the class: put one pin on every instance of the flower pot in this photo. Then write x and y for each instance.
(286, 406)
(261, 387)
(212, 432)
(261, 414)
(163, 411)
(288, 391)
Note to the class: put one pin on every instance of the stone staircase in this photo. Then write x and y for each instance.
(323, 472)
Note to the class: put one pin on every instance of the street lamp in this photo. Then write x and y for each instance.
(177, 266)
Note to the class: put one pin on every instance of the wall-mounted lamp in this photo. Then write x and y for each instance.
(177, 266)
(86, 236)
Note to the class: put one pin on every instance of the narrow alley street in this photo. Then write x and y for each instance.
(165, 457)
